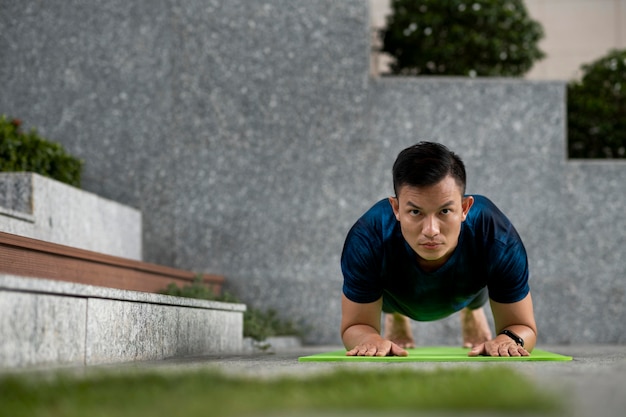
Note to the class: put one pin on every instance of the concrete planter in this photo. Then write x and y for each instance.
(41, 208)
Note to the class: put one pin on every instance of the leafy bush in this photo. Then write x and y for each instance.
(461, 37)
(596, 106)
(29, 152)
(257, 324)
(197, 289)
(261, 324)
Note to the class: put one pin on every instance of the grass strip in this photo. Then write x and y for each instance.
(210, 393)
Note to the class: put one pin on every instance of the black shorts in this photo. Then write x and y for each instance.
(475, 303)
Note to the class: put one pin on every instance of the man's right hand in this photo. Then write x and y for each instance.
(360, 330)
(377, 346)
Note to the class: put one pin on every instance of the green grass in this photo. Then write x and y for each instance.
(209, 393)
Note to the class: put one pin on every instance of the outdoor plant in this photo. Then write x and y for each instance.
(197, 289)
(29, 152)
(461, 37)
(257, 324)
(261, 324)
(596, 109)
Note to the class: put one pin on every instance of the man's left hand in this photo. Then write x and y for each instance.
(498, 348)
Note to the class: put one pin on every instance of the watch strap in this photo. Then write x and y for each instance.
(513, 336)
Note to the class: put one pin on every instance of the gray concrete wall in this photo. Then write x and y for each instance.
(251, 137)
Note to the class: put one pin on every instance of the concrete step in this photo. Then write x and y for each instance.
(52, 323)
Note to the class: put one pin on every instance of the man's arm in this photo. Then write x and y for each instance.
(360, 330)
(516, 317)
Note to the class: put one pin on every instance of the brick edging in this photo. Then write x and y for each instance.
(29, 257)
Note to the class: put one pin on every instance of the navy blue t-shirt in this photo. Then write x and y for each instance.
(378, 262)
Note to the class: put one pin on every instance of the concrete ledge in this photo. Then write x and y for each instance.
(41, 208)
(51, 323)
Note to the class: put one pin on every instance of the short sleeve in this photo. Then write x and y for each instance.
(361, 264)
(508, 272)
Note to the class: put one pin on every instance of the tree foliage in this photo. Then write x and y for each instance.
(461, 37)
(596, 107)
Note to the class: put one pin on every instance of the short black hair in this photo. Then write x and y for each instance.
(425, 164)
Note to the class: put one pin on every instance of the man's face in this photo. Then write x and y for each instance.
(430, 219)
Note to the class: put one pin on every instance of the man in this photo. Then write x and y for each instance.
(429, 252)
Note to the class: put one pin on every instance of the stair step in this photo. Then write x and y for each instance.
(66, 306)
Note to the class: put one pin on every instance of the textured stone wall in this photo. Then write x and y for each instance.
(251, 137)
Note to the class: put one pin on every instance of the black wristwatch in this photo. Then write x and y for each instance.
(513, 336)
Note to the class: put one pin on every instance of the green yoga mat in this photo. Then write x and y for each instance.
(433, 354)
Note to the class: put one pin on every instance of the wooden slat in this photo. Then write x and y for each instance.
(35, 258)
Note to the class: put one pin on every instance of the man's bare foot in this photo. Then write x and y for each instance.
(475, 327)
(398, 330)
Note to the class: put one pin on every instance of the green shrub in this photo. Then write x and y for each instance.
(197, 289)
(461, 37)
(261, 324)
(257, 324)
(28, 152)
(596, 109)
